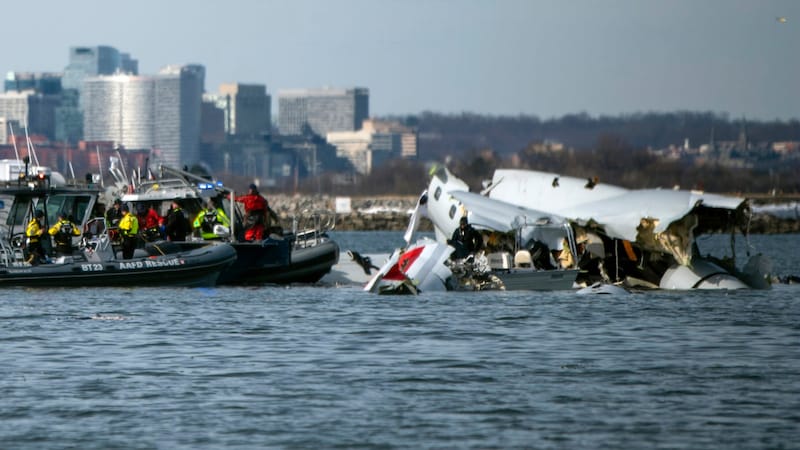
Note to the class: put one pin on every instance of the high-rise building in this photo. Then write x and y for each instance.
(160, 112)
(7, 128)
(85, 62)
(322, 110)
(178, 95)
(31, 109)
(119, 108)
(375, 143)
(39, 82)
(32, 100)
(92, 61)
(247, 108)
(212, 120)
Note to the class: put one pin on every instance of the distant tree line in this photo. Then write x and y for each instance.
(614, 149)
(442, 135)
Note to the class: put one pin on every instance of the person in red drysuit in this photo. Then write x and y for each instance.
(257, 214)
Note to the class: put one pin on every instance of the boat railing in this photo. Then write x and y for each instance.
(96, 243)
(10, 248)
(310, 227)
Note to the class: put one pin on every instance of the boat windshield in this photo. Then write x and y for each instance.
(75, 205)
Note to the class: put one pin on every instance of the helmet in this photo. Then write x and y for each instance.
(39, 213)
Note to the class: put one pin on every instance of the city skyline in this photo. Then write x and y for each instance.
(546, 59)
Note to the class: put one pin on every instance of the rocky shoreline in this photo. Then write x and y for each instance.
(391, 213)
(366, 213)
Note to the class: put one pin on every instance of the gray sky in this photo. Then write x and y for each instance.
(503, 57)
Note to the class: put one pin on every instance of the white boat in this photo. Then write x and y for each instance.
(303, 255)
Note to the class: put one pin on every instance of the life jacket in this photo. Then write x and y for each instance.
(209, 220)
(34, 230)
(65, 232)
(129, 225)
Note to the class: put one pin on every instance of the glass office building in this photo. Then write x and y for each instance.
(322, 110)
(159, 112)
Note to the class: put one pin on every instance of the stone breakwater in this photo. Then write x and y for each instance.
(391, 213)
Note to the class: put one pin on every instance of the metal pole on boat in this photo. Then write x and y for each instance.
(31, 150)
(573, 248)
(122, 164)
(100, 167)
(232, 216)
(14, 139)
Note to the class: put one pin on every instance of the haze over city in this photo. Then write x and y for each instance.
(548, 59)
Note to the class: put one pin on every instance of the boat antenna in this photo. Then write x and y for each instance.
(121, 162)
(31, 150)
(71, 170)
(100, 166)
(14, 139)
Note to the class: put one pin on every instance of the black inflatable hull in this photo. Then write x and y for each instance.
(272, 261)
(305, 265)
(200, 267)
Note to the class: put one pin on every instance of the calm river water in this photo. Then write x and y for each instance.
(320, 367)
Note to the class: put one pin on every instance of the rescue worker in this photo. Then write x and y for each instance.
(258, 214)
(177, 225)
(128, 230)
(113, 216)
(148, 222)
(466, 239)
(206, 220)
(33, 239)
(62, 232)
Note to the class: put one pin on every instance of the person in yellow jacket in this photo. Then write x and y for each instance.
(205, 221)
(33, 239)
(129, 230)
(62, 233)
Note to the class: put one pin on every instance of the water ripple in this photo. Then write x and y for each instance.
(311, 367)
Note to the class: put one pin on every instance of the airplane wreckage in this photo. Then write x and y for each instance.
(544, 231)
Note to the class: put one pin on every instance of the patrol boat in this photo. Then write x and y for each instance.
(302, 255)
(93, 262)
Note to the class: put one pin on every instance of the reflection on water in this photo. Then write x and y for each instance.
(314, 367)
